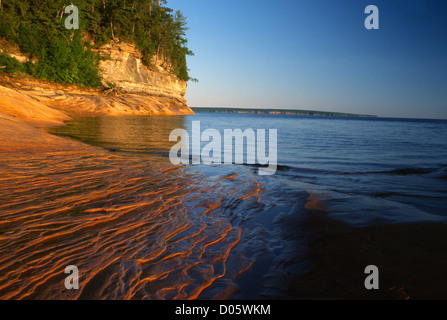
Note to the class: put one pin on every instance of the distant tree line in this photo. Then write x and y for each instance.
(278, 112)
(66, 56)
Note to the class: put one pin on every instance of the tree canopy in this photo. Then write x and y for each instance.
(66, 56)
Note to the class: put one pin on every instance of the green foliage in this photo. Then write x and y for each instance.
(64, 56)
(68, 60)
(111, 85)
(155, 29)
(9, 64)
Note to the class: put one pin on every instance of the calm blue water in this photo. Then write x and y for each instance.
(362, 170)
(227, 231)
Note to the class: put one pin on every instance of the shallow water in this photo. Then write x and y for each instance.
(139, 228)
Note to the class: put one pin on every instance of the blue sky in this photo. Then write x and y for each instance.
(317, 54)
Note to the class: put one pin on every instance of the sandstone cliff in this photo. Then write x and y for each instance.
(137, 90)
(123, 66)
(75, 101)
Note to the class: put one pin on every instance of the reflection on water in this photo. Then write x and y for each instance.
(131, 134)
(136, 227)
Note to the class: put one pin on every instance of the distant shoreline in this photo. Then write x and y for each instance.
(280, 112)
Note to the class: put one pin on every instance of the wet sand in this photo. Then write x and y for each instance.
(18, 136)
(412, 261)
(135, 228)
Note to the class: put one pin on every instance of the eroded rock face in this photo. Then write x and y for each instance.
(141, 91)
(124, 68)
(31, 100)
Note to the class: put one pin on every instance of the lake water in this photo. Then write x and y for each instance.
(138, 227)
(362, 170)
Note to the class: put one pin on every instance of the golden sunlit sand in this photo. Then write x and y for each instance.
(65, 202)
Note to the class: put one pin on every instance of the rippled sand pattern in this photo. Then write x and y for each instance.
(135, 229)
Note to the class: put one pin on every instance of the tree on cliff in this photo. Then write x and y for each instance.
(64, 55)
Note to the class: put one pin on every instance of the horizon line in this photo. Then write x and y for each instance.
(322, 111)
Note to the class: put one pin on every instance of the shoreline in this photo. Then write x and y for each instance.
(76, 101)
(28, 105)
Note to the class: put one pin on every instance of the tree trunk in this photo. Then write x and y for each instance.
(158, 49)
(134, 17)
(111, 29)
(60, 14)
